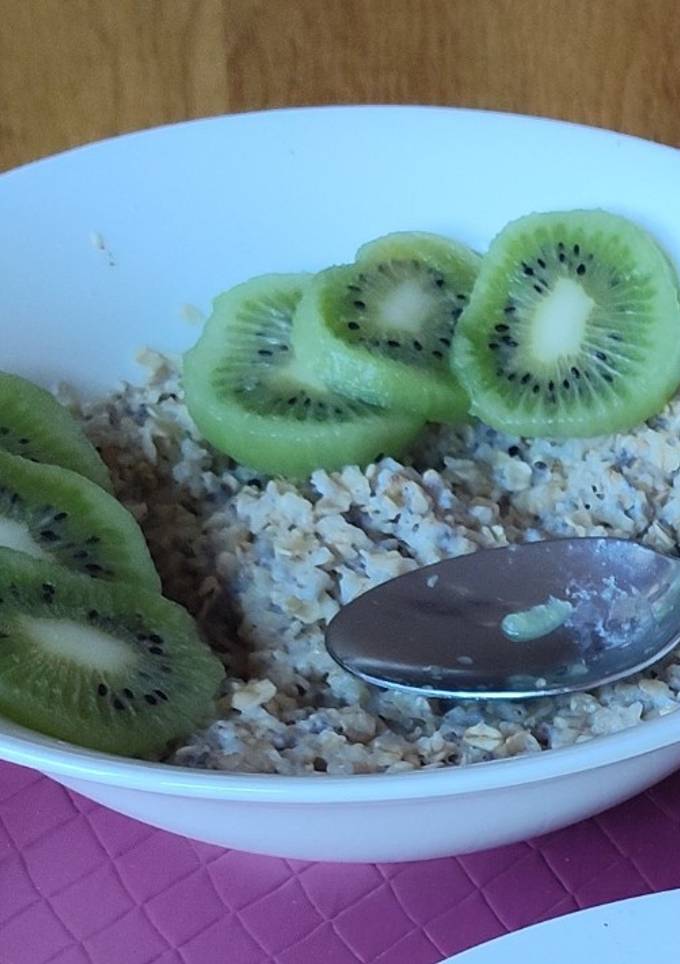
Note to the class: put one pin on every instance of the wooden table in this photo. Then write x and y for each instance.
(73, 71)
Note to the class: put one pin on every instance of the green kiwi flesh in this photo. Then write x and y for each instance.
(573, 327)
(59, 516)
(34, 425)
(253, 399)
(102, 665)
(381, 329)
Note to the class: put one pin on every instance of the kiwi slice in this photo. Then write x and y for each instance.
(573, 328)
(104, 665)
(380, 329)
(34, 425)
(252, 397)
(57, 515)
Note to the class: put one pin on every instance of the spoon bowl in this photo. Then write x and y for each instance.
(439, 631)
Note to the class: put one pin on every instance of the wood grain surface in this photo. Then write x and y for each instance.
(73, 71)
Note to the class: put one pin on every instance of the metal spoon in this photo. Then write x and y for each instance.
(438, 630)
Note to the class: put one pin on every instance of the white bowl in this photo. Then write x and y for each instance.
(103, 250)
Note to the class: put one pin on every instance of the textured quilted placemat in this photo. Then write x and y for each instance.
(80, 884)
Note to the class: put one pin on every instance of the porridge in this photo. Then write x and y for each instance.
(263, 564)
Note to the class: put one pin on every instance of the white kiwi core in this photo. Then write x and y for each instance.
(558, 325)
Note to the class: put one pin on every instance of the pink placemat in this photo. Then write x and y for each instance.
(80, 884)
